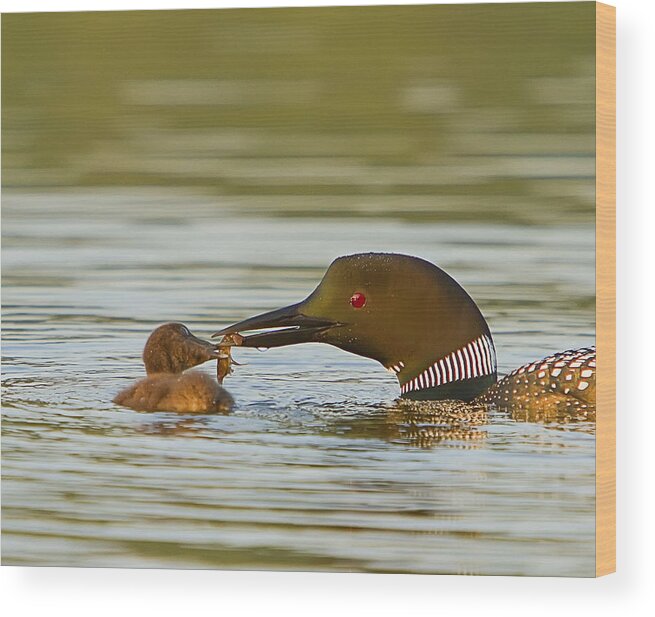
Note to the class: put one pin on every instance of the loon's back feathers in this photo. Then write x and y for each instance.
(561, 384)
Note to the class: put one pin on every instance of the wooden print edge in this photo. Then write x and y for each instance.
(606, 288)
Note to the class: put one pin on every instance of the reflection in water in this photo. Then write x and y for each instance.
(177, 427)
(423, 424)
(550, 416)
(449, 424)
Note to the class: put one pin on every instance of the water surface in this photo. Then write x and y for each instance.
(317, 467)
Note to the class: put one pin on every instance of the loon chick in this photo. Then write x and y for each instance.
(422, 326)
(169, 351)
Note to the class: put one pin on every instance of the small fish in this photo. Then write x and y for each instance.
(225, 360)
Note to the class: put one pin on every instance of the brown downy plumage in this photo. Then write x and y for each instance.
(170, 350)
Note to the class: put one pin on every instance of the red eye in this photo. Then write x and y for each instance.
(358, 300)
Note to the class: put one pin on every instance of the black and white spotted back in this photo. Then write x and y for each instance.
(564, 383)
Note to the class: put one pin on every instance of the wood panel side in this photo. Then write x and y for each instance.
(606, 288)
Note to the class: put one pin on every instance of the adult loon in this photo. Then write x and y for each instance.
(421, 325)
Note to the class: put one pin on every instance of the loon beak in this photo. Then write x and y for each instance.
(290, 327)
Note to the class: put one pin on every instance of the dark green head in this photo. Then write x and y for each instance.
(172, 348)
(402, 311)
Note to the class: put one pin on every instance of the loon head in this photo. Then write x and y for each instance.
(402, 311)
(171, 348)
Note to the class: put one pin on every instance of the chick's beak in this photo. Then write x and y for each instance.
(203, 348)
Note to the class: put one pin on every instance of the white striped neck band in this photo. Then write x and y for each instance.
(473, 360)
